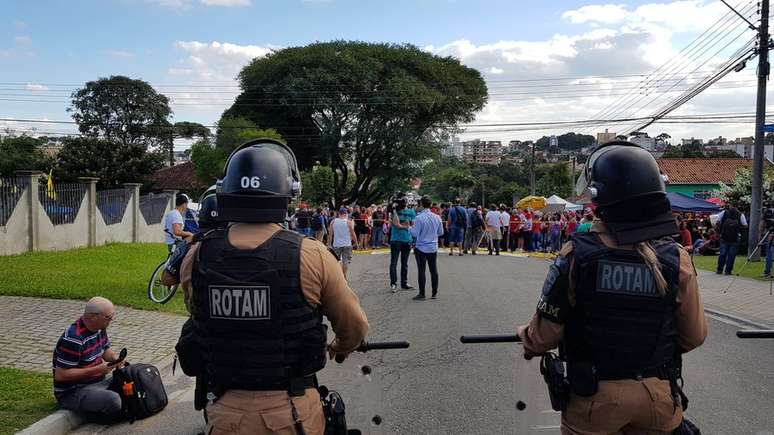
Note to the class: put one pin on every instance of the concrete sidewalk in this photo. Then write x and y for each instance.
(746, 298)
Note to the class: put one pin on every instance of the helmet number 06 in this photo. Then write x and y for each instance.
(254, 182)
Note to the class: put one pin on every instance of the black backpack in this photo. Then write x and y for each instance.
(317, 222)
(476, 221)
(460, 217)
(729, 229)
(141, 389)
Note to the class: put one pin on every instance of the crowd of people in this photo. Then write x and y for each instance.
(467, 228)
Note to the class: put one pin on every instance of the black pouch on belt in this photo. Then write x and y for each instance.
(552, 369)
(583, 378)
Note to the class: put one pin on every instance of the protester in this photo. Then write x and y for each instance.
(585, 227)
(505, 219)
(319, 226)
(378, 227)
(426, 229)
(493, 224)
(341, 238)
(477, 228)
(455, 225)
(514, 229)
(401, 218)
(303, 219)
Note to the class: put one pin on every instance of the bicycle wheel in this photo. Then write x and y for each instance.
(158, 292)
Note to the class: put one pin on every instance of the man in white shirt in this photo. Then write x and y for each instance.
(173, 223)
(505, 219)
(493, 233)
(341, 237)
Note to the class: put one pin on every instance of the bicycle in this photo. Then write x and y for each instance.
(157, 291)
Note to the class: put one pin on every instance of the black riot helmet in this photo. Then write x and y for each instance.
(624, 181)
(260, 179)
(208, 210)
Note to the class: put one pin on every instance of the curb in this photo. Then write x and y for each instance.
(63, 421)
(736, 319)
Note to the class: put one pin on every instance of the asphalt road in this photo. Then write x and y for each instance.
(440, 386)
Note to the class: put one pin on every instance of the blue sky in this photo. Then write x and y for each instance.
(44, 44)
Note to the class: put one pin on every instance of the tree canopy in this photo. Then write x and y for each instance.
(209, 157)
(122, 110)
(20, 153)
(369, 111)
(112, 163)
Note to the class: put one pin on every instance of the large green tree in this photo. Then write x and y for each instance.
(122, 110)
(113, 163)
(22, 152)
(317, 185)
(369, 111)
(209, 157)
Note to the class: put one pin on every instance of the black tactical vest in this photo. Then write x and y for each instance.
(620, 324)
(258, 331)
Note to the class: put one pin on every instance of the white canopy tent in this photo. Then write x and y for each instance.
(555, 203)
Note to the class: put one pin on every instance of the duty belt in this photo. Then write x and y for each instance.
(662, 373)
(294, 386)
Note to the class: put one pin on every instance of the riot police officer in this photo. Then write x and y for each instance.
(257, 294)
(621, 304)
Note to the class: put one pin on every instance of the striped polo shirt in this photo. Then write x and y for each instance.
(79, 348)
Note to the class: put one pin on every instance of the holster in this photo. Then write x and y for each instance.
(552, 369)
(334, 412)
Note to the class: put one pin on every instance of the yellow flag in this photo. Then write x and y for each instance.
(50, 186)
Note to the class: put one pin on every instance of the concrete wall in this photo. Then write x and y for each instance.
(117, 232)
(66, 236)
(25, 233)
(14, 237)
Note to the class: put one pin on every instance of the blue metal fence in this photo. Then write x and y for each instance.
(112, 204)
(11, 190)
(153, 207)
(63, 202)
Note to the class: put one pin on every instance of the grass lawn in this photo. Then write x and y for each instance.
(752, 270)
(118, 271)
(25, 397)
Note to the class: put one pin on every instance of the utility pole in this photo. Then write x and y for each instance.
(532, 170)
(572, 177)
(760, 119)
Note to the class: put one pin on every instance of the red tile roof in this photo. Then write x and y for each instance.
(703, 171)
(178, 177)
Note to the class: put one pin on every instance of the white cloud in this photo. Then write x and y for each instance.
(19, 24)
(612, 40)
(226, 3)
(22, 40)
(608, 14)
(35, 87)
(120, 54)
(216, 61)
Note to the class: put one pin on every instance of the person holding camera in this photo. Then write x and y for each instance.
(731, 223)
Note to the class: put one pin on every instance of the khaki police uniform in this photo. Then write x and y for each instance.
(323, 285)
(625, 406)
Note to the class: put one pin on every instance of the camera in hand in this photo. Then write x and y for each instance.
(768, 217)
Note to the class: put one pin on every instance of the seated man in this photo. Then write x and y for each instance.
(82, 360)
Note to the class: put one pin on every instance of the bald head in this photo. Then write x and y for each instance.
(98, 305)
